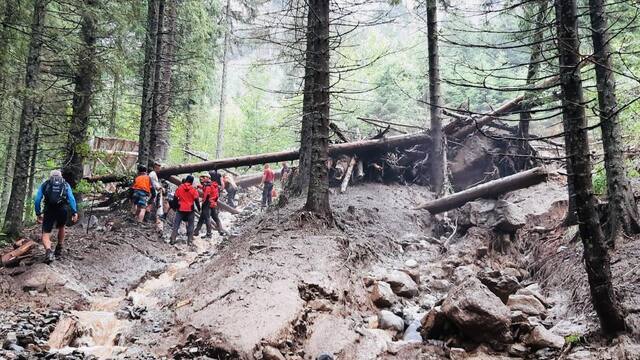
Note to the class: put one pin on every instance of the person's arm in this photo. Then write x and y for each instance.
(195, 201)
(72, 200)
(38, 200)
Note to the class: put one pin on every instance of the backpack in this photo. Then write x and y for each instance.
(174, 203)
(55, 191)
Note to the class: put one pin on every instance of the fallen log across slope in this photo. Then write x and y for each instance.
(490, 189)
(350, 148)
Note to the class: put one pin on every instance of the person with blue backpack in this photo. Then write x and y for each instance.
(56, 194)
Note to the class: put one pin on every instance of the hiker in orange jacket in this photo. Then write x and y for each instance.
(188, 202)
(142, 191)
(210, 196)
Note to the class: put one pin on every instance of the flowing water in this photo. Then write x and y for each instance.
(99, 330)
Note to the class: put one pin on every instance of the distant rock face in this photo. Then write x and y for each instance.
(382, 295)
(540, 338)
(401, 283)
(477, 312)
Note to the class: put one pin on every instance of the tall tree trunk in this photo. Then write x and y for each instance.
(165, 51)
(86, 74)
(148, 82)
(534, 67)
(596, 256)
(15, 207)
(438, 163)
(223, 85)
(306, 130)
(7, 173)
(623, 211)
(113, 112)
(33, 163)
(188, 134)
(318, 194)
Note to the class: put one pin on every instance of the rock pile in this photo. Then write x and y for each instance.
(25, 333)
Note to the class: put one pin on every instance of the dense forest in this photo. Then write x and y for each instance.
(192, 82)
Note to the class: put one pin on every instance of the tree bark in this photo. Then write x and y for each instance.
(33, 163)
(487, 190)
(438, 163)
(113, 113)
(223, 85)
(363, 148)
(165, 50)
(623, 211)
(86, 74)
(15, 207)
(9, 163)
(149, 76)
(596, 256)
(318, 193)
(306, 130)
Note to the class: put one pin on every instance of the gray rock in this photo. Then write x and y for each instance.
(10, 339)
(500, 284)
(390, 321)
(518, 350)
(325, 356)
(527, 304)
(540, 338)
(411, 263)
(534, 290)
(401, 283)
(477, 312)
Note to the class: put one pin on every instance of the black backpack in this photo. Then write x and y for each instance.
(174, 203)
(55, 191)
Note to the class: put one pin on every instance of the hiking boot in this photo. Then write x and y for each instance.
(49, 257)
(58, 251)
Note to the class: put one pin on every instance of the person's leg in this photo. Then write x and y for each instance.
(48, 222)
(216, 219)
(46, 241)
(60, 245)
(264, 194)
(201, 219)
(269, 194)
(190, 220)
(176, 226)
(142, 209)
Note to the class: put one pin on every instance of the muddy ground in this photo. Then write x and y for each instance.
(286, 287)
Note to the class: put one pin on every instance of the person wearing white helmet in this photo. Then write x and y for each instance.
(56, 194)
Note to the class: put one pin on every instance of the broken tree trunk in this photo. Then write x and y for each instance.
(490, 189)
(13, 257)
(351, 148)
(347, 175)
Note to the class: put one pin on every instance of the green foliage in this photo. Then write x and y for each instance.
(574, 339)
(599, 179)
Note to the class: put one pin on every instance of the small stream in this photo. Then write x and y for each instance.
(100, 329)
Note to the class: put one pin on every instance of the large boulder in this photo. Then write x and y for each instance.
(477, 312)
(401, 283)
(500, 284)
(433, 324)
(527, 304)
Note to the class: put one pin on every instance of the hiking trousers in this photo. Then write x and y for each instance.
(267, 193)
(204, 219)
(189, 217)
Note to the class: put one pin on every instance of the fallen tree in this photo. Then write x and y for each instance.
(351, 148)
(490, 189)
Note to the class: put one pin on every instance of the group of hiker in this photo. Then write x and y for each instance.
(150, 196)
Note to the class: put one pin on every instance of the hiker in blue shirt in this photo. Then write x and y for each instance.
(57, 195)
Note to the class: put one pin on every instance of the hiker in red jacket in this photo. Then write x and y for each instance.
(210, 195)
(268, 177)
(188, 201)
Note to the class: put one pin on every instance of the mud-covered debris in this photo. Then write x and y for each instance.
(271, 353)
(478, 313)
